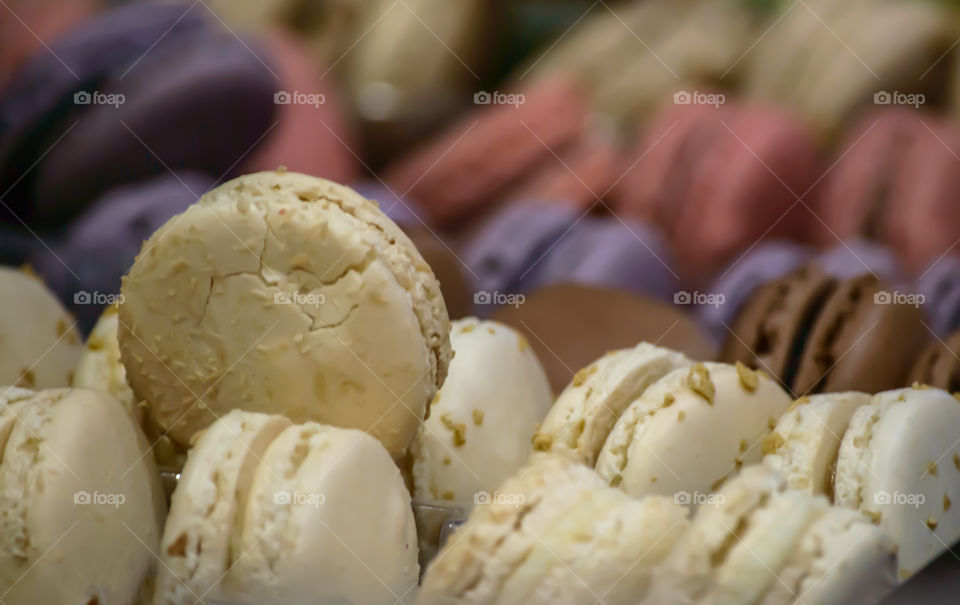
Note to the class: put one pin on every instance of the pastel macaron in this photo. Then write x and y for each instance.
(80, 494)
(588, 408)
(691, 429)
(898, 463)
(39, 341)
(478, 430)
(269, 511)
(284, 293)
(554, 533)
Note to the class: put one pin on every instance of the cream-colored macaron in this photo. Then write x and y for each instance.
(208, 503)
(803, 446)
(39, 343)
(478, 431)
(100, 366)
(691, 429)
(271, 512)
(327, 520)
(554, 533)
(756, 541)
(283, 293)
(81, 507)
(899, 462)
(583, 416)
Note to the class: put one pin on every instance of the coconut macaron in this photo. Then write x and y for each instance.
(283, 293)
(81, 506)
(481, 421)
(899, 463)
(100, 367)
(271, 512)
(585, 412)
(691, 429)
(39, 343)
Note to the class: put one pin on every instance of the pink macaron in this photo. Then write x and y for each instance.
(489, 150)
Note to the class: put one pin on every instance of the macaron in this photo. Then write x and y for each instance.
(507, 247)
(939, 364)
(803, 446)
(570, 325)
(613, 253)
(39, 342)
(898, 463)
(449, 268)
(587, 410)
(478, 429)
(691, 429)
(896, 185)
(488, 150)
(100, 368)
(279, 292)
(554, 533)
(817, 334)
(271, 512)
(756, 541)
(80, 495)
(718, 180)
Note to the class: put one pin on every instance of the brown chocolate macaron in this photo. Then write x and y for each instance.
(939, 364)
(820, 335)
(571, 325)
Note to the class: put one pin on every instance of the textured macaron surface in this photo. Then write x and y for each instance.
(39, 345)
(100, 367)
(283, 293)
(691, 429)
(79, 495)
(481, 421)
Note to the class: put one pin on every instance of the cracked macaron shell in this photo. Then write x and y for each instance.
(478, 430)
(899, 463)
(64, 444)
(206, 509)
(691, 429)
(283, 293)
(587, 410)
(39, 345)
(100, 367)
(327, 519)
(804, 445)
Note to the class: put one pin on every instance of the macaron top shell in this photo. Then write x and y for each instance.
(480, 423)
(585, 412)
(100, 366)
(39, 345)
(899, 463)
(285, 293)
(691, 429)
(80, 494)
